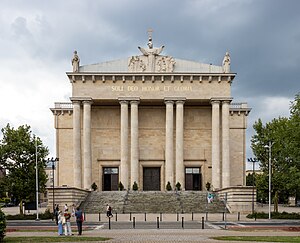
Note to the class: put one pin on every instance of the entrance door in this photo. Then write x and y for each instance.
(110, 179)
(193, 179)
(151, 178)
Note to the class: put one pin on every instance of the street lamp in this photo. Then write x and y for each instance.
(253, 161)
(269, 147)
(53, 160)
(36, 180)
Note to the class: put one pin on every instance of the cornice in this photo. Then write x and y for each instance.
(153, 77)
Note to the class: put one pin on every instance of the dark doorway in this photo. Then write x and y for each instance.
(110, 179)
(151, 179)
(193, 179)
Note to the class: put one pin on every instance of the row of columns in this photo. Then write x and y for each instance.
(134, 160)
(220, 171)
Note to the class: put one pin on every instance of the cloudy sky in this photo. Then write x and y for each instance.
(37, 39)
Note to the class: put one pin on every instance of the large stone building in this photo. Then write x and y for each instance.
(151, 119)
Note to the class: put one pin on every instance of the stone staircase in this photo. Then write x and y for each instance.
(151, 202)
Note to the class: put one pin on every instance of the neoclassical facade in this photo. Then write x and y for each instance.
(150, 119)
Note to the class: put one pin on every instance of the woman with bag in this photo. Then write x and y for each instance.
(68, 230)
(61, 220)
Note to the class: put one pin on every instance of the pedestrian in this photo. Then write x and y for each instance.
(68, 230)
(65, 207)
(73, 210)
(79, 220)
(61, 220)
(55, 212)
(108, 211)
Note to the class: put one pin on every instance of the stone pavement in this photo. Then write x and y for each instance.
(165, 235)
(158, 235)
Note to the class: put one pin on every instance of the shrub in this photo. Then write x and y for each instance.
(121, 187)
(168, 186)
(94, 186)
(283, 215)
(178, 186)
(46, 215)
(2, 225)
(135, 186)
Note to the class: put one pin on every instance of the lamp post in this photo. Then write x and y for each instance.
(36, 180)
(269, 147)
(53, 160)
(253, 161)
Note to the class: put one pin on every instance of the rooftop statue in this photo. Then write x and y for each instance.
(151, 61)
(75, 62)
(226, 63)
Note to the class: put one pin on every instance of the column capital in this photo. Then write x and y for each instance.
(134, 102)
(124, 102)
(169, 102)
(88, 101)
(180, 102)
(215, 101)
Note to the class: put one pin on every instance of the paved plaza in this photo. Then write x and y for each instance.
(213, 227)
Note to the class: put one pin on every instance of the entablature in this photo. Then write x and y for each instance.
(153, 77)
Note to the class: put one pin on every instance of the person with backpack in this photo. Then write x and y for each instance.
(79, 220)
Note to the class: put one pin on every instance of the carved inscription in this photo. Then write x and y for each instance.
(133, 88)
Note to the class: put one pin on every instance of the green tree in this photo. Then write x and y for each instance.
(284, 135)
(18, 156)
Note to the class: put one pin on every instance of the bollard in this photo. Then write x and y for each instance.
(84, 216)
(202, 222)
(145, 217)
(157, 222)
(255, 216)
(133, 222)
(177, 216)
(130, 216)
(182, 222)
(116, 216)
(238, 216)
(160, 216)
(223, 216)
(99, 217)
(206, 216)
(109, 223)
(192, 216)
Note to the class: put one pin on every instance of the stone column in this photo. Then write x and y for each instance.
(124, 144)
(76, 144)
(225, 144)
(87, 148)
(179, 143)
(169, 153)
(215, 145)
(134, 142)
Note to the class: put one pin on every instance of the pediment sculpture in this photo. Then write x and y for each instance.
(151, 61)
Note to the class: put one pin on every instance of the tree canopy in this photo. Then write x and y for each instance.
(18, 151)
(283, 134)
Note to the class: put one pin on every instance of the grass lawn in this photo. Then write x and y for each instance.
(260, 238)
(53, 239)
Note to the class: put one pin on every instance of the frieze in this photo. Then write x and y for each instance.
(134, 88)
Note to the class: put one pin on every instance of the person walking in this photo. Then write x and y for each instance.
(68, 230)
(56, 210)
(108, 211)
(79, 220)
(60, 221)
